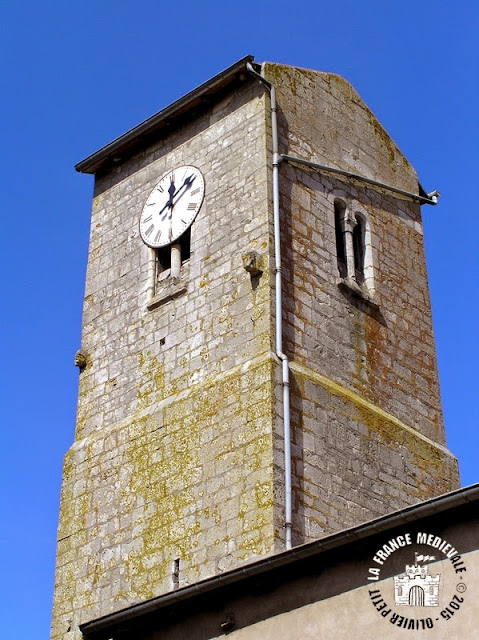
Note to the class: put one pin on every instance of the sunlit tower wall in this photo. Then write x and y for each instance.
(177, 468)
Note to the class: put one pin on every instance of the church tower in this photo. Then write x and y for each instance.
(257, 366)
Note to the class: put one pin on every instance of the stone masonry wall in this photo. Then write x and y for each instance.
(220, 321)
(172, 458)
(352, 461)
(368, 435)
(176, 472)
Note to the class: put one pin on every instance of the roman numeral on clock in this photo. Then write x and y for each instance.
(158, 236)
(193, 193)
(149, 230)
(148, 219)
(191, 206)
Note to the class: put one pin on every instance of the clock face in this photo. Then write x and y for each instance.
(172, 206)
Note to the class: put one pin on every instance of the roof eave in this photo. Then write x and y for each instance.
(438, 505)
(124, 146)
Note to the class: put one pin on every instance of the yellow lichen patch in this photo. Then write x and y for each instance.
(178, 513)
(151, 376)
(429, 461)
(264, 494)
(425, 458)
(149, 500)
(254, 544)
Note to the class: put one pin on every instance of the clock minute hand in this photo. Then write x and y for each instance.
(185, 186)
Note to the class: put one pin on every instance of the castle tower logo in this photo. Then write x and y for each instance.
(433, 594)
(415, 587)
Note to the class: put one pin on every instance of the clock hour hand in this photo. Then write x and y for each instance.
(171, 189)
(169, 204)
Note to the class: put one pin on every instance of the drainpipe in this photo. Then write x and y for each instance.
(279, 312)
(430, 199)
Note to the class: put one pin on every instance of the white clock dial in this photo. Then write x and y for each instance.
(172, 206)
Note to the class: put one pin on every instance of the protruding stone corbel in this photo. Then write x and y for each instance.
(80, 359)
(252, 263)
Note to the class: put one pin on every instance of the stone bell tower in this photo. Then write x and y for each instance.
(179, 469)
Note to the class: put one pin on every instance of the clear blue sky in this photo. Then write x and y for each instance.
(77, 74)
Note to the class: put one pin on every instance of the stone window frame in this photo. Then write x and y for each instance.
(173, 258)
(348, 213)
(168, 277)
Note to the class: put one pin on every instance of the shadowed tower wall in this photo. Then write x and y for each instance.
(368, 435)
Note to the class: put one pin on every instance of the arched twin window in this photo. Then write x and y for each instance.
(353, 245)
